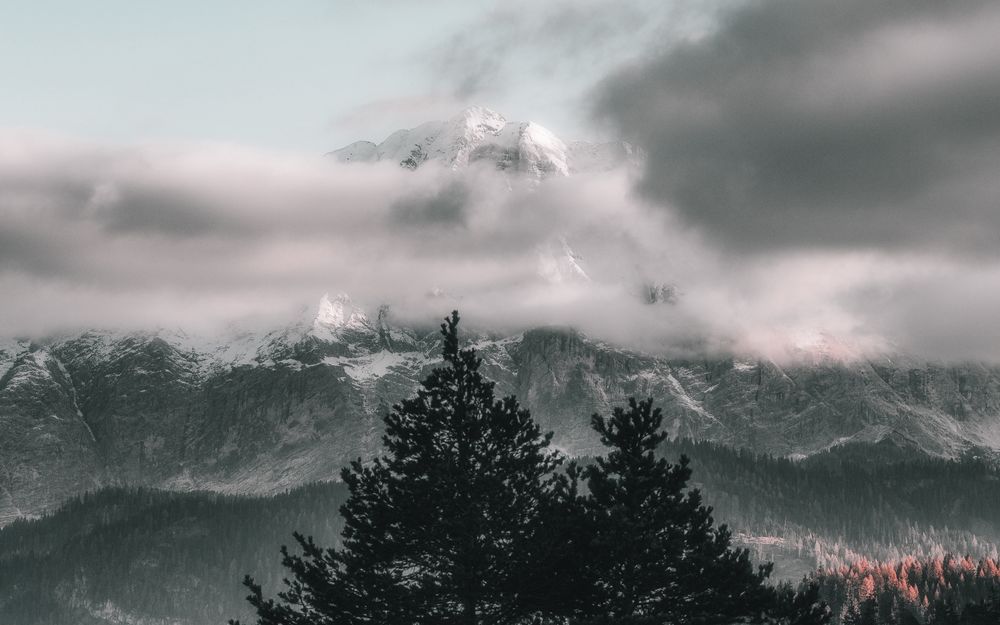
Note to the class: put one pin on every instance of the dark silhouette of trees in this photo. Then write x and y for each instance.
(802, 606)
(444, 527)
(657, 554)
(466, 519)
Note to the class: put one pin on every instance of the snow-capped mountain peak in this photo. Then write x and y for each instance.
(538, 152)
(473, 125)
(481, 135)
(339, 313)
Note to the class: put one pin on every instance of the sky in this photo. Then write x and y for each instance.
(307, 75)
(820, 177)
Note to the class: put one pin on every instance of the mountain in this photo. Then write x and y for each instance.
(479, 135)
(526, 150)
(262, 412)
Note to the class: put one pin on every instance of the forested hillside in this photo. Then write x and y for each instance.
(836, 508)
(131, 553)
(949, 590)
(124, 553)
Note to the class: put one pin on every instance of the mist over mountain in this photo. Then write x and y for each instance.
(503, 219)
(577, 304)
(260, 412)
(228, 239)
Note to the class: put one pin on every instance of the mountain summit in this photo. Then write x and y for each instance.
(339, 313)
(479, 134)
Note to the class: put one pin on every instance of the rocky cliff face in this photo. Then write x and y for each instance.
(261, 413)
(47, 448)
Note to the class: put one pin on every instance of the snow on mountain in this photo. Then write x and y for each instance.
(451, 142)
(338, 314)
(371, 367)
(9, 351)
(360, 151)
(479, 134)
(559, 264)
(262, 411)
(528, 148)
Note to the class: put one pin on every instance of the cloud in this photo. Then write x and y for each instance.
(442, 207)
(834, 123)
(562, 39)
(372, 118)
(197, 235)
(479, 57)
(939, 307)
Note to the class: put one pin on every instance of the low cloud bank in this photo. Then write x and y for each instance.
(199, 235)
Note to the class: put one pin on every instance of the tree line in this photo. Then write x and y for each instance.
(839, 506)
(154, 555)
(469, 517)
(947, 590)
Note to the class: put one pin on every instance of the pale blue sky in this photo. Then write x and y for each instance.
(275, 74)
(307, 75)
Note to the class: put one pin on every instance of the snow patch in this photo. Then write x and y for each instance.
(687, 401)
(558, 263)
(377, 365)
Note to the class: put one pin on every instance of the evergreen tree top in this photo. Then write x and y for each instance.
(449, 330)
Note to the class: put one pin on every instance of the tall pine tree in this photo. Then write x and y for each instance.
(657, 556)
(444, 528)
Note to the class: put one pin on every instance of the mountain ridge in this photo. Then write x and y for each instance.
(294, 404)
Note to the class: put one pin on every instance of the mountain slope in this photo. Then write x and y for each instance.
(262, 412)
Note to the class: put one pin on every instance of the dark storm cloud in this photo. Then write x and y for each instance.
(829, 122)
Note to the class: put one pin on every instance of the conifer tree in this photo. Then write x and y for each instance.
(657, 555)
(445, 527)
(943, 613)
(562, 573)
(861, 612)
(800, 607)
